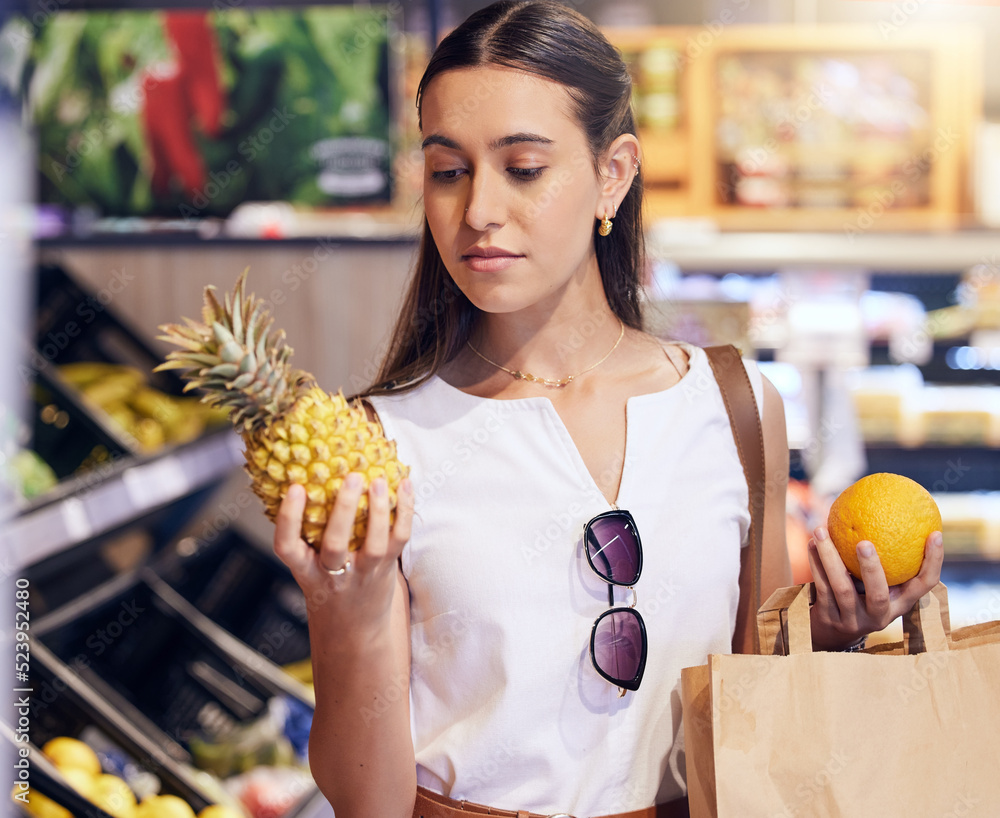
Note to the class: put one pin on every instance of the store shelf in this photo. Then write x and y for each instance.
(939, 468)
(702, 248)
(77, 708)
(339, 227)
(184, 684)
(98, 502)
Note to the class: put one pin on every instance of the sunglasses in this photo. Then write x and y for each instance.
(618, 639)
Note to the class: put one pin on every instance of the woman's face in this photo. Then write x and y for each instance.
(510, 190)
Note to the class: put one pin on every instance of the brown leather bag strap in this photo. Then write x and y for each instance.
(432, 805)
(737, 394)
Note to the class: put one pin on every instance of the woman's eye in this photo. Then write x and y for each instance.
(525, 174)
(446, 175)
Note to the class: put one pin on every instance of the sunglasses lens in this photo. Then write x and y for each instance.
(619, 646)
(613, 546)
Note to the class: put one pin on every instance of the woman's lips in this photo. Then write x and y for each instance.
(489, 259)
(491, 263)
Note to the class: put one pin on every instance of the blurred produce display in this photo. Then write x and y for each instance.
(186, 113)
(236, 731)
(108, 778)
(69, 440)
(153, 418)
(240, 747)
(29, 474)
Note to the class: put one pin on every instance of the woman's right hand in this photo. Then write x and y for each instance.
(360, 598)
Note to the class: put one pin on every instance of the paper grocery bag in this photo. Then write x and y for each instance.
(910, 729)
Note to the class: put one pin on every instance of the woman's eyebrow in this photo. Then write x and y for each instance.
(444, 141)
(517, 139)
(496, 144)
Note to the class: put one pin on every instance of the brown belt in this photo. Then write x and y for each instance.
(431, 805)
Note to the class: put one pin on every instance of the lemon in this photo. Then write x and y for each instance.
(113, 796)
(164, 806)
(79, 780)
(67, 753)
(220, 811)
(41, 806)
(893, 513)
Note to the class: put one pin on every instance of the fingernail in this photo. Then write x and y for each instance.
(353, 481)
(820, 533)
(866, 550)
(406, 486)
(937, 540)
(379, 487)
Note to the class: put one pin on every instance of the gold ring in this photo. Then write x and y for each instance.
(336, 572)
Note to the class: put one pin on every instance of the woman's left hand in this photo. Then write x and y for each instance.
(841, 615)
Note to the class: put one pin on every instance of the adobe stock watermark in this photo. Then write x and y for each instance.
(484, 90)
(494, 766)
(299, 273)
(756, 158)
(463, 450)
(45, 10)
(249, 149)
(102, 638)
(424, 657)
(901, 14)
(98, 642)
(86, 312)
(228, 513)
(815, 786)
(953, 475)
(710, 30)
(914, 167)
(984, 273)
(124, 100)
(425, 315)
(557, 182)
(665, 592)
(372, 28)
(927, 667)
(541, 540)
(965, 804)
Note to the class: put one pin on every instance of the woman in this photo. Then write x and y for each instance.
(522, 391)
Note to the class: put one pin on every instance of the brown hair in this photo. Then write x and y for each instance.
(553, 41)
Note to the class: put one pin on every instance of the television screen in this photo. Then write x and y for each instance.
(186, 113)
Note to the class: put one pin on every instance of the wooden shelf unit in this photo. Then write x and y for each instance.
(682, 164)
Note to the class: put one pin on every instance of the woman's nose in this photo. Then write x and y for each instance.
(485, 206)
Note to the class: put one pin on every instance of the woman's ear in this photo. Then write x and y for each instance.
(620, 167)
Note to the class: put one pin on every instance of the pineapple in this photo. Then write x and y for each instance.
(294, 431)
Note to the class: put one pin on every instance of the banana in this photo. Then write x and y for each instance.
(158, 405)
(115, 387)
(84, 373)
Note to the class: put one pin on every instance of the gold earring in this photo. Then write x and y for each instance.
(606, 226)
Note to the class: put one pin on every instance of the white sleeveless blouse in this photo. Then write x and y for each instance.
(506, 707)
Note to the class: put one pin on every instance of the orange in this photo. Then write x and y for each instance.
(893, 513)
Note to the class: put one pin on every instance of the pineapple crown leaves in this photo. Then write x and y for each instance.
(233, 356)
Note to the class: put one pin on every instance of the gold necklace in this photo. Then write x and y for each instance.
(518, 375)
